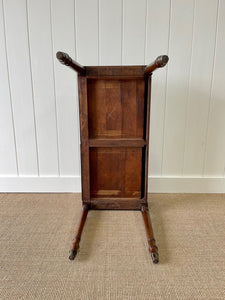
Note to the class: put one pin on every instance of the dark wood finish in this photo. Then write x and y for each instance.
(85, 167)
(160, 62)
(153, 249)
(65, 59)
(124, 178)
(113, 203)
(115, 71)
(147, 122)
(114, 106)
(76, 241)
(117, 142)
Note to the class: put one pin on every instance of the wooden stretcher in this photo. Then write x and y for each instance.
(114, 109)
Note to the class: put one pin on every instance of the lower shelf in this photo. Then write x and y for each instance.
(117, 203)
(116, 172)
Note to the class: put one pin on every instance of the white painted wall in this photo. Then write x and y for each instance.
(39, 125)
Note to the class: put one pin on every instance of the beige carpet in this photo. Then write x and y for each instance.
(113, 262)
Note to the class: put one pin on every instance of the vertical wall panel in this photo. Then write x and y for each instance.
(8, 163)
(39, 118)
(43, 85)
(200, 86)
(21, 86)
(134, 26)
(87, 29)
(180, 48)
(63, 28)
(215, 150)
(158, 17)
(110, 21)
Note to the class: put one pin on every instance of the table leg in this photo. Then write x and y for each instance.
(76, 241)
(153, 249)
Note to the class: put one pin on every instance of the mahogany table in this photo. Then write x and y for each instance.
(114, 109)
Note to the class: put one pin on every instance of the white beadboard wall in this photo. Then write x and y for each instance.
(39, 119)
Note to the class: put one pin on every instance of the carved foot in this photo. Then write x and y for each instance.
(153, 249)
(73, 253)
(155, 257)
(74, 248)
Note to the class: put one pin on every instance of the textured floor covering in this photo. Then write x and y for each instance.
(113, 263)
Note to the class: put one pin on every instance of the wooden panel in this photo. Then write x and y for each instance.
(133, 45)
(110, 21)
(43, 86)
(145, 151)
(158, 26)
(113, 203)
(215, 147)
(21, 86)
(130, 109)
(85, 168)
(117, 142)
(87, 27)
(200, 82)
(8, 161)
(181, 29)
(66, 88)
(119, 71)
(112, 104)
(123, 178)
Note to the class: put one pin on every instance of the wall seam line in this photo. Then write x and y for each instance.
(121, 52)
(76, 89)
(54, 90)
(99, 56)
(10, 93)
(75, 32)
(32, 90)
(189, 84)
(211, 88)
(146, 21)
(166, 89)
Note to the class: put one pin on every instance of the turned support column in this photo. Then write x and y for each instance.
(76, 241)
(153, 249)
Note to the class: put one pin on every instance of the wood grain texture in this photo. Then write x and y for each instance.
(116, 142)
(116, 172)
(114, 129)
(85, 163)
(114, 204)
(112, 104)
(120, 71)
